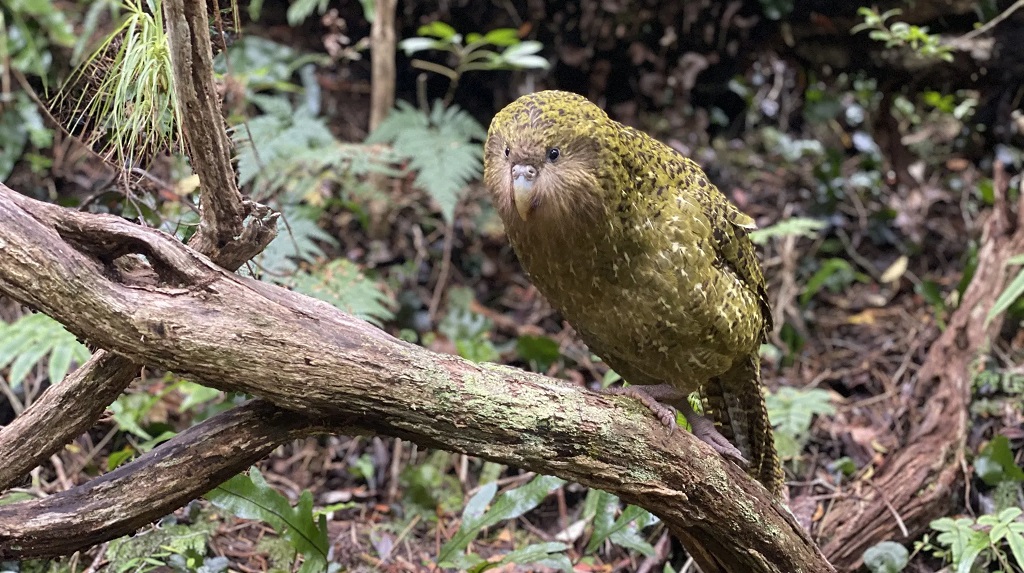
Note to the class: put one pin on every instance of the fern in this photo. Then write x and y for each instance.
(791, 412)
(441, 148)
(343, 285)
(291, 153)
(31, 338)
(296, 242)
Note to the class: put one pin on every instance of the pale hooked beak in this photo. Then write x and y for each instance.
(523, 178)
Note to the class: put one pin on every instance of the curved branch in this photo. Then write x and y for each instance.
(306, 356)
(232, 231)
(64, 411)
(920, 481)
(148, 488)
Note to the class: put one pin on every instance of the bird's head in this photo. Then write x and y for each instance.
(542, 159)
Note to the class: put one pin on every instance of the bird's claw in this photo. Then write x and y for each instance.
(665, 414)
(705, 429)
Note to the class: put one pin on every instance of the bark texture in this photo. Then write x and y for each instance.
(920, 482)
(335, 372)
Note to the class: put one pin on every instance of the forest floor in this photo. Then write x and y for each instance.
(857, 301)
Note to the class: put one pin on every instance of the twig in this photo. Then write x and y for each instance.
(442, 277)
(988, 25)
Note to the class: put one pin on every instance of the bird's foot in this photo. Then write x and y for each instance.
(647, 397)
(705, 429)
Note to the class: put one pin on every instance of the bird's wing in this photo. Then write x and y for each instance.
(730, 229)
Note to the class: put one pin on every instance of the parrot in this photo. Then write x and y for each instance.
(650, 263)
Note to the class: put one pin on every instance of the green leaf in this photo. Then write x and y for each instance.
(302, 9)
(791, 412)
(540, 351)
(550, 554)
(477, 505)
(1010, 294)
(1016, 542)
(995, 463)
(24, 363)
(442, 149)
(832, 268)
(502, 37)
(623, 531)
(130, 410)
(417, 44)
(522, 55)
(601, 507)
(886, 557)
(626, 530)
(250, 497)
(508, 505)
(60, 362)
(196, 394)
(28, 340)
(438, 30)
(794, 226)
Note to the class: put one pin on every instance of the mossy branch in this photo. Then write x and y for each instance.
(338, 373)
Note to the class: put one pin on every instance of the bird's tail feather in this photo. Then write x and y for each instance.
(735, 402)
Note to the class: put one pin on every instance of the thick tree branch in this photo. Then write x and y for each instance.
(231, 232)
(920, 482)
(222, 211)
(303, 355)
(65, 410)
(150, 486)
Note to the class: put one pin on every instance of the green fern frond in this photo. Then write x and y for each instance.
(290, 152)
(296, 242)
(441, 148)
(344, 286)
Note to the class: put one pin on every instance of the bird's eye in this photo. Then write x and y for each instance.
(553, 154)
(507, 151)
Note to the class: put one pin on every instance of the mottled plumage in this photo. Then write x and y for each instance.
(648, 260)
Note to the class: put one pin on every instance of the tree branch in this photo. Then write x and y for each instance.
(231, 232)
(920, 481)
(306, 356)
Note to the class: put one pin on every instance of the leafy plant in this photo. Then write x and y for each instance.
(791, 412)
(442, 148)
(901, 34)
(178, 546)
(26, 341)
(473, 53)
(834, 274)
(601, 507)
(513, 503)
(290, 154)
(28, 29)
(250, 497)
(967, 542)
(886, 557)
(21, 124)
(343, 285)
(298, 240)
(468, 330)
(133, 106)
(429, 488)
(794, 226)
(262, 65)
(539, 351)
(995, 463)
